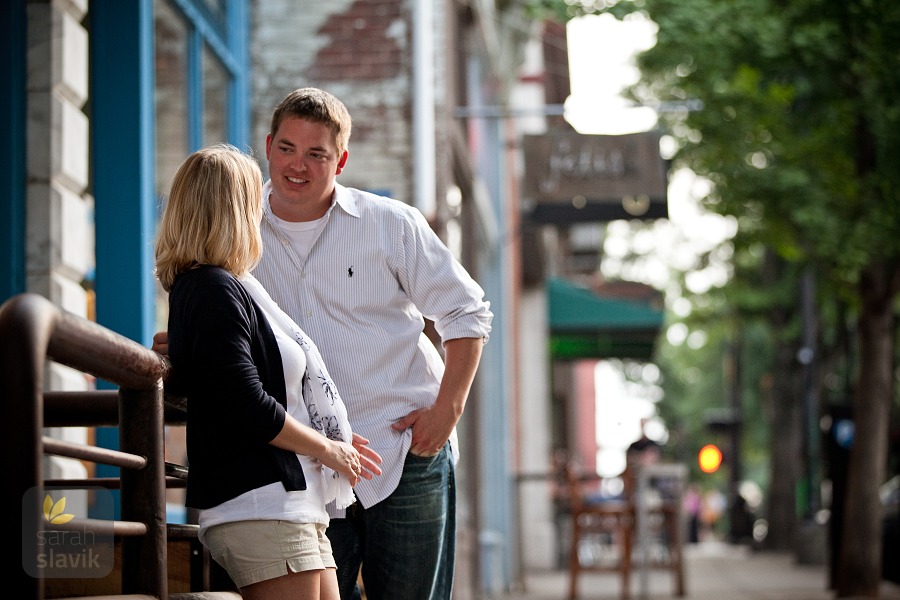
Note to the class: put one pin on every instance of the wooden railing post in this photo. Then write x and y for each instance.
(141, 432)
(26, 324)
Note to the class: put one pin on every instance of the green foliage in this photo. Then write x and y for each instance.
(564, 10)
(793, 94)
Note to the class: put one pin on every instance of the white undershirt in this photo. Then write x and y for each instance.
(302, 235)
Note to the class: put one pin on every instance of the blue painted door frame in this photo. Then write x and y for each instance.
(123, 155)
(122, 135)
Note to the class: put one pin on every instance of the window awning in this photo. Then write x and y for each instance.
(587, 324)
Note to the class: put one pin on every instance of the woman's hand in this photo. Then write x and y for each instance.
(369, 459)
(343, 458)
(354, 461)
(161, 343)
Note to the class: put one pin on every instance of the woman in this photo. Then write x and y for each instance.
(268, 441)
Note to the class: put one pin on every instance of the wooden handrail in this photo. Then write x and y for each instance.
(33, 331)
(92, 453)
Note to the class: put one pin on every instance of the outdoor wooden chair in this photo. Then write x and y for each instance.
(657, 495)
(609, 521)
(637, 531)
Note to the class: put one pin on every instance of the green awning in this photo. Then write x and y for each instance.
(585, 324)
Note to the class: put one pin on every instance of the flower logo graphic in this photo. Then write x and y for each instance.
(53, 512)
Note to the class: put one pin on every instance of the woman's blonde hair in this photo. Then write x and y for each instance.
(212, 215)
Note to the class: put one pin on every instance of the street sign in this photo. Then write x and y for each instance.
(572, 177)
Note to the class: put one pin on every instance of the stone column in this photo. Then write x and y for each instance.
(59, 219)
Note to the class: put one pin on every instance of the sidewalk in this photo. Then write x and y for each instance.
(713, 571)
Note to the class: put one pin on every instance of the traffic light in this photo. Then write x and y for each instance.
(710, 458)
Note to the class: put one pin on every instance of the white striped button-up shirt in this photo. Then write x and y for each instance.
(374, 270)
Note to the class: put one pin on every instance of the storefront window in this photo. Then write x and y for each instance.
(215, 97)
(172, 129)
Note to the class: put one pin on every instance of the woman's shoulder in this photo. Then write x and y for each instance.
(205, 275)
(204, 280)
(212, 295)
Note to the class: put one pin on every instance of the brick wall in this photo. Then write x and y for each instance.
(360, 52)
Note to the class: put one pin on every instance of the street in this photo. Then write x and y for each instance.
(713, 571)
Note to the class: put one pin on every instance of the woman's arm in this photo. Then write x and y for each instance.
(354, 461)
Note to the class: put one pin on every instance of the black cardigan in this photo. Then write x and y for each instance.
(226, 362)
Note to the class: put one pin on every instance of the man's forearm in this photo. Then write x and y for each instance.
(461, 359)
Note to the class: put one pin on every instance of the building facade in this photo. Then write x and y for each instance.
(106, 97)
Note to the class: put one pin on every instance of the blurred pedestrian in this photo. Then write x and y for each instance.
(711, 510)
(691, 503)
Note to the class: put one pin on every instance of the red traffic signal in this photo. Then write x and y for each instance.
(710, 458)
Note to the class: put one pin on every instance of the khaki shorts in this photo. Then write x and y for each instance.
(254, 551)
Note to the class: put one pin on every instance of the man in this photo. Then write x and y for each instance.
(359, 273)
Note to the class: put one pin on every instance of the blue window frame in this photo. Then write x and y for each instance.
(216, 37)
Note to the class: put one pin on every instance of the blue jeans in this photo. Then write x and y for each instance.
(406, 543)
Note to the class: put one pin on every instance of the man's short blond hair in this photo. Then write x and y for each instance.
(317, 106)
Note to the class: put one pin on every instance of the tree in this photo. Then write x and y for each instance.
(800, 135)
